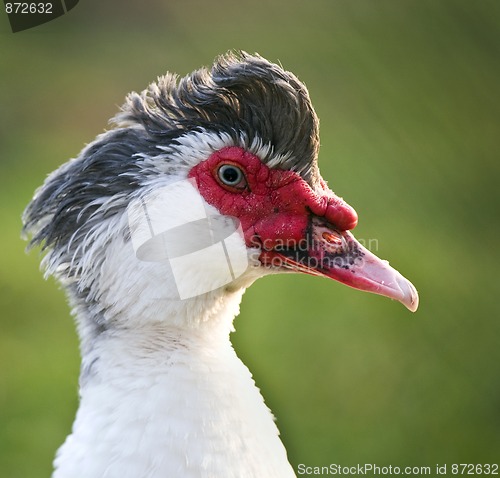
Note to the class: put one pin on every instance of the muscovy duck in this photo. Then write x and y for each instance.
(204, 184)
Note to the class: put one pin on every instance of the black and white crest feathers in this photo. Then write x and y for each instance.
(244, 96)
(241, 97)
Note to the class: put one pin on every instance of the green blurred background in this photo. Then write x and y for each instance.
(409, 100)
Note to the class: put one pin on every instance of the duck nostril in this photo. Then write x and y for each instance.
(332, 238)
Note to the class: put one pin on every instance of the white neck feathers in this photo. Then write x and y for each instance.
(162, 401)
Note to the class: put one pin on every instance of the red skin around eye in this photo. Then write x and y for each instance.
(278, 208)
(276, 205)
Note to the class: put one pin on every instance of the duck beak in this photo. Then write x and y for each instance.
(328, 252)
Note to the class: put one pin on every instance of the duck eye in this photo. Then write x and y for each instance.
(232, 176)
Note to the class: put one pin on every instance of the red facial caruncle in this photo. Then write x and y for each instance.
(293, 225)
(271, 204)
